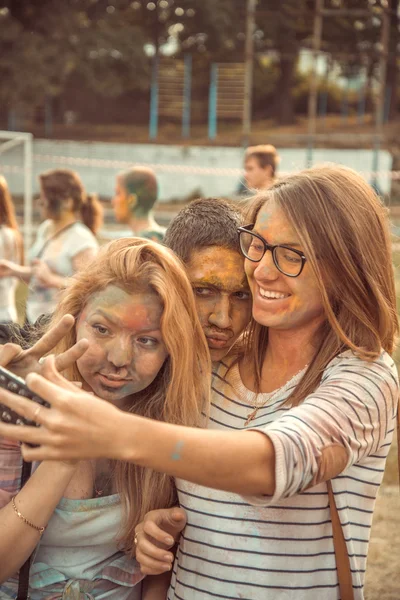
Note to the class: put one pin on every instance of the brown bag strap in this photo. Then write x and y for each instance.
(339, 543)
(341, 554)
(52, 238)
(398, 439)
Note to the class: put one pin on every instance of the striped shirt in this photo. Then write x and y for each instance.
(281, 547)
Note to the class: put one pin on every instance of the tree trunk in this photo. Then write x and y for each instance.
(284, 104)
(392, 77)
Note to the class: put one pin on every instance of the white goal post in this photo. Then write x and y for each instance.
(9, 140)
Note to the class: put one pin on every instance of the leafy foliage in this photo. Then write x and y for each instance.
(107, 44)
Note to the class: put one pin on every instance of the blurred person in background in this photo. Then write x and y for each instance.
(260, 165)
(11, 249)
(65, 240)
(136, 192)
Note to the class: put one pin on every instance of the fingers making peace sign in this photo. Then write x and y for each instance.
(22, 362)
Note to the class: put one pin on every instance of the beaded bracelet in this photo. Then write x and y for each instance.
(41, 530)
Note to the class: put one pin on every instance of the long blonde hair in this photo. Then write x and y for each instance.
(180, 392)
(344, 231)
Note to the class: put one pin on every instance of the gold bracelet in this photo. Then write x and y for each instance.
(41, 530)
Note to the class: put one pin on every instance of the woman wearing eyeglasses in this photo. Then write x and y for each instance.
(300, 422)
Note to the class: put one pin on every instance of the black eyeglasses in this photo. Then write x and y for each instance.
(287, 260)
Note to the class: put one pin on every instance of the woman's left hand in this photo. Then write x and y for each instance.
(42, 272)
(22, 362)
(77, 426)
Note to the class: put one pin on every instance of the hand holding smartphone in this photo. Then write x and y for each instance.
(17, 385)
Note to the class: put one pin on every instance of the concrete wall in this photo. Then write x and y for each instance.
(181, 170)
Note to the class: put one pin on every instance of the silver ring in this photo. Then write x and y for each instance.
(36, 413)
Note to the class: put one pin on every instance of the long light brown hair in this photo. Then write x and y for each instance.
(344, 231)
(7, 216)
(180, 392)
(58, 185)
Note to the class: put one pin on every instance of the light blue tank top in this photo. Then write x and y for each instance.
(78, 557)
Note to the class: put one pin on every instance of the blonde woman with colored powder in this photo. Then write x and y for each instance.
(146, 352)
(301, 422)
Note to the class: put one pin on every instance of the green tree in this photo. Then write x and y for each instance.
(44, 42)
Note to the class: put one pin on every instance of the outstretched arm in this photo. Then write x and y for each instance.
(36, 502)
(51, 279)
(11, 269)
(79, 425)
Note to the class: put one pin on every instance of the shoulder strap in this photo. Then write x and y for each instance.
(23, 579)
(341, 554)
(398, 439)
(53, 237)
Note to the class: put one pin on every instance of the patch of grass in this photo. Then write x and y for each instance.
(20, 298)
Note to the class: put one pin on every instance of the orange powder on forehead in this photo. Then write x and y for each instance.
(142, 316)
(134, 311)
(219, 267)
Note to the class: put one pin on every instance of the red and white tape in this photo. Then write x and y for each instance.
(159, 167)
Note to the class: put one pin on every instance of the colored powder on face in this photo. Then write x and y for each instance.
(218, 267)
(134, 312)
(177, 452)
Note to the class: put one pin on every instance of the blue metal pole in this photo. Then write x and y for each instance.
(212, 103)
(48, 117)
(310, 151)
(187, 93)
(388, 97)
(323, 105)
(153, 126)
(362, 99)
(375, 164)
(345, 103)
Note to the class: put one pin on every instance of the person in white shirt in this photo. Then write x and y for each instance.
(65, 240)
(11, 249)
(299, 428)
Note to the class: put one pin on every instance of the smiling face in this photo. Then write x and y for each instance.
(126, 349)
(120, 202)
(222, 296)
(281, 302)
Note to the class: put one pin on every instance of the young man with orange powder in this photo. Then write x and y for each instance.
(204, 236)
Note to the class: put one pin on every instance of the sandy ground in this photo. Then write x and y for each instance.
(383, 568)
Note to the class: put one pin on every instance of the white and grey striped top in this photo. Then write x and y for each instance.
(281, 548)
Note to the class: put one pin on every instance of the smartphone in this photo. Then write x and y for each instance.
(17, 385)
